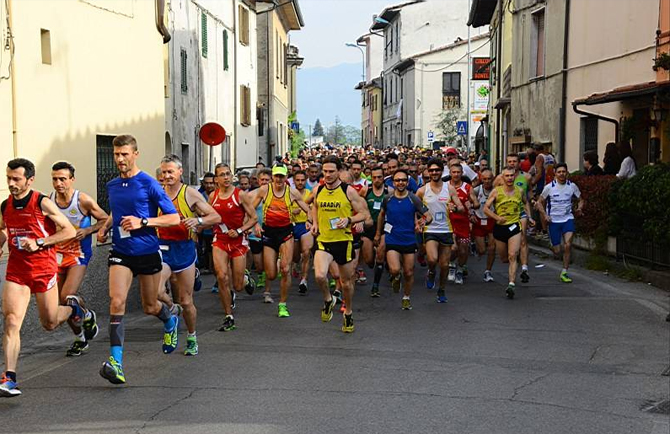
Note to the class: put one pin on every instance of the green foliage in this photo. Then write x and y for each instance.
(445, 124)
(593, 222)
(318, 129)
(297, 138)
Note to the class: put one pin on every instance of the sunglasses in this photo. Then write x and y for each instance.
(434, 170)
(400, 180)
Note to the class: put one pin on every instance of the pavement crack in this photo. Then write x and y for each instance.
(527, 384)
(593, 356)
(166, 408)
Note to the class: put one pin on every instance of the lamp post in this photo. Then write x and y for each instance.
(362, 54)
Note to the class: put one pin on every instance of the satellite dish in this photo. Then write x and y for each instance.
(212, 134)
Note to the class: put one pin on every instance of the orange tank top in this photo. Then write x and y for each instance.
(277, 213)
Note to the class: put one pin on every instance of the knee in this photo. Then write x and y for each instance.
(320, 277)
(567, 245)
(286, 270)
(116, 305)
(12, 323)
(409, 273)
(151, 309)
(48, 324)
(511, 257)
(394, 270)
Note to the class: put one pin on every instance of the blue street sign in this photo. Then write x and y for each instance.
(295, 126)
(431, 136)
(461, 128)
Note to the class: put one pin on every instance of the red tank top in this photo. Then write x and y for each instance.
(178, 232)
(277, 213)
(463, 194)
(231, 211)
(29, 222)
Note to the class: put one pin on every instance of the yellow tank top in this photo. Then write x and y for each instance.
(509, 207)
(276, 210)
(302, 217)
(333, 205)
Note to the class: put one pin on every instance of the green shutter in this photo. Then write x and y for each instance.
(225, 50)
(203, 21)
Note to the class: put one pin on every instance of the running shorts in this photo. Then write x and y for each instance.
(65, 261)
(342, 251)
(403, 250)
(557, 230)
(275, 237)
(299, 229)
(444, 239)
(178, 255)
(503, 233)
(37, 284)
(482, 227)
(256, 246)
(235, 247)
(140, 265)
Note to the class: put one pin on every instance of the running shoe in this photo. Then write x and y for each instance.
(261, 281)
(191, 346)
(197, 283)
(171, 338)
(510, 291)
(249, 284)
(8, 388)
(406, 305)
(421, 259)
(430, 280)
(524, 276)
(452, 274)
(282, 311)
(348, 323)
(374, 292)
(361, 278)
(441, 296)
(459, 278)
(90, 325)
(233, 297)
(267, 298)
(488, 277)
(215, 288)
(78, 309)
(176, 309)
(112, 371)
(302, 288)
(228, 324)
(395, 283)
(332, 284)
(565, 278)
(327, 311)
(77, 349)
(337, 295)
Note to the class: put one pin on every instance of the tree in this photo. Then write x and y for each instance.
(353, 135)
(445, 124)
(318, 129)
(336, 133)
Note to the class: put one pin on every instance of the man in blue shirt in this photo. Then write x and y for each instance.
(134, 199)
(393, 166)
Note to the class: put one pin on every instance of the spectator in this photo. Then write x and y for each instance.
(591, 167)
(529, 161)
(612, 161)
(628, 166)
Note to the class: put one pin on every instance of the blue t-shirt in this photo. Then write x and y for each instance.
(411, 186)
(139, 196)
(399, 215)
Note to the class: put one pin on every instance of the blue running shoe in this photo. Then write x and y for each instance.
(430, 280)
(112, 371)
(8, 388)
(171, 338)
(215, 288)
(441, 296)
(197, 284)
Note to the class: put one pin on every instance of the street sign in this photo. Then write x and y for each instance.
(431, 137)
(295, 126)
(461, 128)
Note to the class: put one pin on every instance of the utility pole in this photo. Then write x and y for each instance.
(467, 132)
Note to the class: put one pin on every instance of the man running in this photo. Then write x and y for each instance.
(557, 196)
(74, 255)
(375, 256)
(460, 222)
(441, 199)
(256, 236)
(230, 245)
(177, 243)
(134, 199)
(277, 198)
(508, 201)
(482, 226)
(301, 234)
(397, 221)
(332, 216)
(359, 184)
(31, 224)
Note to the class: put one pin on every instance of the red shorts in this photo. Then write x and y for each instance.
(461, 229)
(235, 247)
(37, 284)
(480, 230)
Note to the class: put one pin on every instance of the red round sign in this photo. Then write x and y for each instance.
(212, 134)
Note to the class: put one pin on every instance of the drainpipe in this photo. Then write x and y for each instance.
(499, 77)
(269, 74)
(601, 117)
(236, 114)
(564, 96)
(12, 73)
(160, 21)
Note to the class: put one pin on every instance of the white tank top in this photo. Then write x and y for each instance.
(482, 197)
(72, 211)
(437, 204)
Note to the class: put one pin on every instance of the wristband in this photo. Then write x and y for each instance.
(200, 221)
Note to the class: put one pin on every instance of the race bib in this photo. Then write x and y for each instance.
(377, 206)
(223, 228)
(123, 233)
(334, 222)
(440, 217)
(513, 227)
(18, 242)
(388, 228)
(59, 258)
(484, 222)
(165, 247)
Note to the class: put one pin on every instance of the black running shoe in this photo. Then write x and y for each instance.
(77, 349)
(90, 326)
(302, 288)
(524, 276)
(510, 291)
(228, 324)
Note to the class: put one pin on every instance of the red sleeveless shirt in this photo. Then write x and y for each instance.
(231, 211)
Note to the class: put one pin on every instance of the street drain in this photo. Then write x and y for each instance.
(657, 407)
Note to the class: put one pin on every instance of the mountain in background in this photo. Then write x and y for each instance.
(328, 92)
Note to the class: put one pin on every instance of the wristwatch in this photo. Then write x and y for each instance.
(239, 231)
(145, 222)
(200, 221)
(39, 242)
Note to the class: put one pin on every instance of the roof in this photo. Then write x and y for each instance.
(390, 12)
(292, 14)
(623, 93)
(452, 45)
(481, 12)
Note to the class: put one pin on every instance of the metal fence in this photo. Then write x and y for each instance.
(105, 168)
(651, 253)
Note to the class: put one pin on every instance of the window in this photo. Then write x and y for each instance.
(390, 43)
(244, 25)
(105, 168)
(451, 90)
(537, 44)
(391, 91)
(45, 39)
(184, 77)
(285, 68)
(277, 53)
(203, 33)
(588, 133)
(385, 91)
(225, 50)
(245, 106)
(185, 160)
(397, 37)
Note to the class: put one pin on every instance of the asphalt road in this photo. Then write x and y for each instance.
(581, 358)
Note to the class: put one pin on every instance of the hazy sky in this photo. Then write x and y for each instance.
(329, 24)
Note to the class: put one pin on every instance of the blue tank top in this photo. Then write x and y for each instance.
(399, 224)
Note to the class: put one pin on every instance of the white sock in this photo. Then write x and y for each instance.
(564, 270)
(80, 337)
(524, 267)
(405, 297)
(512, 283)
(191, 335)
(303, 281)
(487, 271)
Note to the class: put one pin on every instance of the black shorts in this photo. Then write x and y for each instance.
(403, 250)
(275, 237)
(342, 252)
(445, 239)
(142, 264)
(358, 242)
(503, 233)
(256, 246)
(370, 232)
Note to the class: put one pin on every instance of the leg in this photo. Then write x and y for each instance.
(237, 265)
(480, 244)
(491, 251)
(269, 265)
(394, 261)
(322, 261)
(368, 252)
(306, 244)
(68, 284)
(183, 292)
(524, 244)
(567, 247)
(120, 279)
(444, 257)
(222, 270)
(501, 248)
(149, 287)
(15, 300)
(286, 253)
(408, 272)
(347, 273)
(51, 313)
(163, 296)
(432, 253)
(513, 246)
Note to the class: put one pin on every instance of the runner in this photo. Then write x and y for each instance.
(230, 245)
(359, 184)
(32, 224)
(460, 222)
(301, 234)
(557, 197)
(314, 177)
(508, 200)
(177, 243)
(277, 198)
(482, 226)
(134, 199)
(335, 203)
(440, 198)
(256, 236)
(74, 255)
(375, 256)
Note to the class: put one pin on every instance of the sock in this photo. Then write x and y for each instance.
(564, 270)
(512, 283)
(452, 264)
(88, 315)
(11, 375)
(167, 318)
(487, 271)
(116, 337)
(379, 270)
(524, 268)
(405, 297)
(77, 312)
(303, 281)
(191, 335)
(281, 304)
(80, 337)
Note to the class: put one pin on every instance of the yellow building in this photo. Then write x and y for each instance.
(76, 74)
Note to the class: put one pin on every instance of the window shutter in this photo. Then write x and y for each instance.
(225, 50)
(203, 33)
(184, 78)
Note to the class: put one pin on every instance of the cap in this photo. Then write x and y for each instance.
(451, 150)
(279, 170)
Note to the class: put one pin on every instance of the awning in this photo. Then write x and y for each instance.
(502, 103)
(624, 92)
(481, 12)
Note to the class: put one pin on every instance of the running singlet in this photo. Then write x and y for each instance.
(302, 217)
(559, 200)
(333, 205)
(522, 182)
(437, 204)
(179, 232)
(463, 194)
(24, 219)
(309, 185)
(375, 203)
(277, 209)
(360, 184)
(482, 197)
(232, 216)
(74, 248)
(140, 196)
(509, 207)
(400, 213)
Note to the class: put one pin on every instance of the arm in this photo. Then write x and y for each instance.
(65, 229)
(297, 198)
(261, 192)
(207, 216)
(3, 234)
(91, 208)
(381, 219)
(473, 199)
(359, 205)
(251, 218)
(456, 200)
(539, 165)
(315, 215)
(541, 207)
(487, 208)
(526, 206)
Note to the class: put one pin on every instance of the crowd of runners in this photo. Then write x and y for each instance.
(333, 210)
